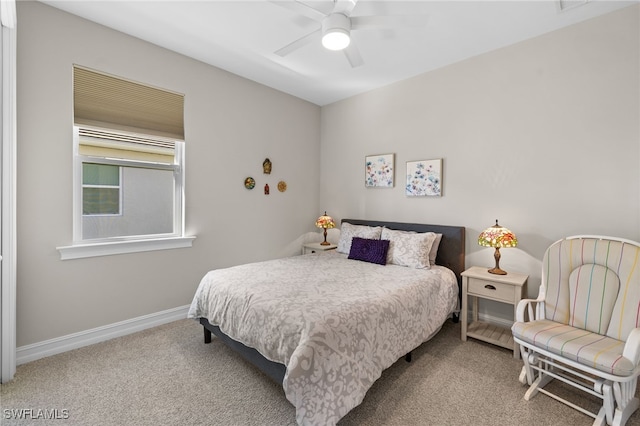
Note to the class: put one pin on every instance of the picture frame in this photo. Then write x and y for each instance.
(424, 178)
(379, 171)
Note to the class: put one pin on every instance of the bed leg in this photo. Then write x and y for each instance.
(455, 318)
(207, 335)
(407, 357)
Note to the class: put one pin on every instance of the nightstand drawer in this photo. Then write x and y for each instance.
(317, 248)
(490, 289)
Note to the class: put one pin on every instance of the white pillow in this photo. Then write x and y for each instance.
(433, 253)
(348, 231)
(407, 248)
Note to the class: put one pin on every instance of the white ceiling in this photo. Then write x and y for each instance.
(241, 36)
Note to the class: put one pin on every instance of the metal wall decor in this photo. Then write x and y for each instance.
(266, 166)
(249, 183)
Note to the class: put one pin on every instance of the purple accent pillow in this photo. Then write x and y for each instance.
(367, 250)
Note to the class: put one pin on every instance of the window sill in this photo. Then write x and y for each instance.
(80, 251)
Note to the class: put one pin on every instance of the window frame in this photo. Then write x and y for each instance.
(81, 248)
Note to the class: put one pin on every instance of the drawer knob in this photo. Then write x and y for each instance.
(490, 287)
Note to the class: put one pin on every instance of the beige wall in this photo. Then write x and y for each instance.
(231, 125)
(543, 135)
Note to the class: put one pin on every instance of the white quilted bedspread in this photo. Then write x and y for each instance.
(335, 323)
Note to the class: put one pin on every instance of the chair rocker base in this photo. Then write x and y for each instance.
(621, 416)
(618, 403)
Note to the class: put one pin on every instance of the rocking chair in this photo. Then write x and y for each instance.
(583, 329)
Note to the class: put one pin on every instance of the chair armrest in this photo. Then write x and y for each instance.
(632, 347)
(526, 306)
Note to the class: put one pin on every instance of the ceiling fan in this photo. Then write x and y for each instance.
(336, 26)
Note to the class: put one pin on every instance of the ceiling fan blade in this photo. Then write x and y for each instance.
(387, 21)
(344, 6)
(297, 44)
(301, 9)
(353, 55)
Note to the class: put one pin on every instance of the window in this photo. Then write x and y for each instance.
(128, 165)
(130, 185)
(100, 189)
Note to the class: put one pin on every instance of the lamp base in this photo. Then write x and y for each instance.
(497, 271)
(325, 242)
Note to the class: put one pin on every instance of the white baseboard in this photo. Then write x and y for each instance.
(61, 344)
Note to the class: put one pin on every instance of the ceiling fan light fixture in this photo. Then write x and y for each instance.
(335, 31)
(336, 40)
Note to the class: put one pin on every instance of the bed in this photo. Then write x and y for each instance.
(326, 325)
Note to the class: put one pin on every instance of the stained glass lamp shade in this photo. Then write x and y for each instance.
(325, 222)
(497, 236)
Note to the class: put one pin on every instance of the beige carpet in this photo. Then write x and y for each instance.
(168, 376)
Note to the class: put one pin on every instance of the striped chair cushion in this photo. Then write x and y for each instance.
(587, 348)
(614, 264)
(593, 290)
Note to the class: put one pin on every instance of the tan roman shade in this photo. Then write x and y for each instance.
(101, 100)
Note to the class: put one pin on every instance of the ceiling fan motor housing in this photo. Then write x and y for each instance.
(336, 28)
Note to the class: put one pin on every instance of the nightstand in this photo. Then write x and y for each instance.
(480, 284)
(317, 248)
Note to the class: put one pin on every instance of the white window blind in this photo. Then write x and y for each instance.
(126, 146)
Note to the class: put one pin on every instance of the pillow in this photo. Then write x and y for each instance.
(367, 250)
(433, 253)
(407, 248)
(348, 231)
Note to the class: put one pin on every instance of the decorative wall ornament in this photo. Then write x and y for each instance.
(424, 178)
(266, 166)
(379, 170)
(249, 183)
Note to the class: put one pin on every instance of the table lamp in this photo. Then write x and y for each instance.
(325, 222)
(497, 236)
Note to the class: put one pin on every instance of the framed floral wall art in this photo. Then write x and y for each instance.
(378, 170)
(424, 178)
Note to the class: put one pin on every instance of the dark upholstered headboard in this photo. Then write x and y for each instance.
(451, 250)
